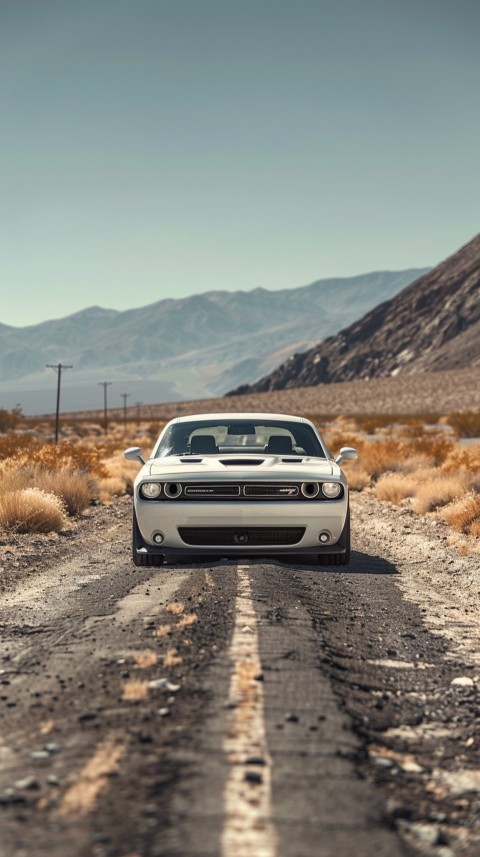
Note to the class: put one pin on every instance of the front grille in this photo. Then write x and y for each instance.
(211, 490)
(241, 536)
(239, 491)
(270, 490)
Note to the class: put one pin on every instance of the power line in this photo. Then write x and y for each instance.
(125, 396)
(105, 384)
(58, 369)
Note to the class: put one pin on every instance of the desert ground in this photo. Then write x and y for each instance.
(254, 707)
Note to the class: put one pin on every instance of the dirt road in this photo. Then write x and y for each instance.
(240, 708)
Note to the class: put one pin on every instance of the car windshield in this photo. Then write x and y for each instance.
(235, 436)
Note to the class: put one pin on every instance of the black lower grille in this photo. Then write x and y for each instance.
(246, 536)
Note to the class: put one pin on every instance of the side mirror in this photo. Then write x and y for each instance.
(134, 453)
(347, 453)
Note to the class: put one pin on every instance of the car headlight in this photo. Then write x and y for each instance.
(331, 489)
(151, 490)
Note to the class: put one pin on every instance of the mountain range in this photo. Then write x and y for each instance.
(194, 347)
(433, 324)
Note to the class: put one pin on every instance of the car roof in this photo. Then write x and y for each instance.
(250, 417)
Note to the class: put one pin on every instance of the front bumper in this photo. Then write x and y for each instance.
(168, 517)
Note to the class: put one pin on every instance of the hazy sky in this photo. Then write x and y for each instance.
(158, 148)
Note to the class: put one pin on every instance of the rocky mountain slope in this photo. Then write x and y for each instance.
(193, 347)
(432, 325)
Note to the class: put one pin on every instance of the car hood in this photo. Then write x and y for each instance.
(244, 467)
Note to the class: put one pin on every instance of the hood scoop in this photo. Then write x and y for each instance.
(191, 460)
(240, 462)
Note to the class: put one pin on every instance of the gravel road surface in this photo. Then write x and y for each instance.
(240, 708)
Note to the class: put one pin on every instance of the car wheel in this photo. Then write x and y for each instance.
(142, 559)
(339, 558)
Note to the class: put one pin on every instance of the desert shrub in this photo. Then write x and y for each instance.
(412, 429)
(435, 445)
(466, 459)
(380, 456)
(10, 419)
(358, 478)
(75, 457)
(463, 514)
(439, 491)
(414, 462)
(76, 490)
(396, 487)
(371, 423)
(336, 438)
(14, 443)
(31, 511)
(465, 423)
(475, 527)
(113, 486)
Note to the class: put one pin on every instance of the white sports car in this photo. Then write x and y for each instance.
(236, 485)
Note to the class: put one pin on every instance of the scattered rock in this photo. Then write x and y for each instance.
(163, 684)
(463, 681)
(253, 777)
(39, 755)
(87, 715)
(27, 783)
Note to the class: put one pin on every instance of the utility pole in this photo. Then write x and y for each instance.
(125, 396)
(105, 384)
(58, 369)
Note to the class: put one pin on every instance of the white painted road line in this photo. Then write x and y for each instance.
(248, 827)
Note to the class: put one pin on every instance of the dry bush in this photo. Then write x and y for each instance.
(14, 443)
(396, 487)
(415, 462)
(13, 479)
(467, 459)
(76, 490)
(438, 492)
(121, 474)
(10, 419)
(31, 511)
(370, 423)
(475, 527)
(434, 445)
(336, 438)
(378, 457)
(111, 487)
(465, 423)
(358, 478)
(463, 514)
(66, 455)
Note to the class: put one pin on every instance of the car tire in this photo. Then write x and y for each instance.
(142, 559)
(339, 558)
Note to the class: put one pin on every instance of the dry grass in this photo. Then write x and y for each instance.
(467, 459)
(31, 511)
(134, 690)
(437, 492)
(396, 487)
(463, 514)
(465, 423)
(74, 489)
(163, 631)
(185, 621)
(145, 659)
(176, 607)
(172, 658)
(358, 478)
